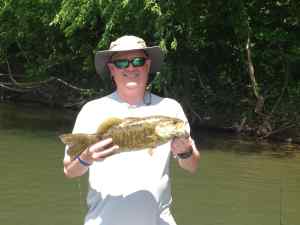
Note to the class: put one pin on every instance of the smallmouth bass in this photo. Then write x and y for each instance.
(130, 134)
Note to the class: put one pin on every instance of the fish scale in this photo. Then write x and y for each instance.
(132, 133)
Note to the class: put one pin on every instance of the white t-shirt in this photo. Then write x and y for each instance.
(129, 188)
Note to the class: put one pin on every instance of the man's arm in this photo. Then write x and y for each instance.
(96, 152)
(185, 150)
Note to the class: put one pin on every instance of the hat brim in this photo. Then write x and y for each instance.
(154, 53)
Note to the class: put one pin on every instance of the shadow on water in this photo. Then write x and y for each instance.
(34, 117)
(230, 142)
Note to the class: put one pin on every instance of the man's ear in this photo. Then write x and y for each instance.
(110, 68)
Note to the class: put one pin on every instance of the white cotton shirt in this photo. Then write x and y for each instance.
(129, 188)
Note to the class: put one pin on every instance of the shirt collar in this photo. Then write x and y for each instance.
(144, 102)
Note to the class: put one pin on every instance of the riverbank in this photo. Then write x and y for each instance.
(215, 124)
(234, 125)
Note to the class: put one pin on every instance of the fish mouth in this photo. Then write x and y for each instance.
(184, 134)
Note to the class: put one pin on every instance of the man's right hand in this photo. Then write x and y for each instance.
(99, 151)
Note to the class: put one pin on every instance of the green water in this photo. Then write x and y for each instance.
(239, 182)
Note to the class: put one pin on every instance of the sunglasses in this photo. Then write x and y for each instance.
(124, 63)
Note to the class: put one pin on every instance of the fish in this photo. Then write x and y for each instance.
(129, 133)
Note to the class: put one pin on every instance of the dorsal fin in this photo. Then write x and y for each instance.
(108, 123)
(133, 118)
(129, 120)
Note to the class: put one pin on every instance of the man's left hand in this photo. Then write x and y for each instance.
(181, 145)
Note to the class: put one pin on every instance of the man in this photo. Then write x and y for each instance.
(130, 188)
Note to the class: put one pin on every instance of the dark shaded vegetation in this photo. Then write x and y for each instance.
(234, 65)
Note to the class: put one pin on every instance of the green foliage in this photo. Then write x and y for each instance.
(27, 42)
(204, 42)
(76, 15)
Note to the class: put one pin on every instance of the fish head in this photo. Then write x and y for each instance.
(169, 128)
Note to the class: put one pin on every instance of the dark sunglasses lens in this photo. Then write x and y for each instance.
(121, 64)
(138, 61)
(124, 63)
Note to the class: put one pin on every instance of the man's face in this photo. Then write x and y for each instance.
(132, 77)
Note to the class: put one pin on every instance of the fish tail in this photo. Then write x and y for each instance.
(77, 143)
(67, 138)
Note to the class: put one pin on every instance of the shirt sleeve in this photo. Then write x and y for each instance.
(180, 114)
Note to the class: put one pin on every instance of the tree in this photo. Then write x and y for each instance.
(238, 57)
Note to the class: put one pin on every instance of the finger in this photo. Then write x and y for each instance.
(105, 153)
(180, 145)
(101, 145)
(176, 147)
(179, 142)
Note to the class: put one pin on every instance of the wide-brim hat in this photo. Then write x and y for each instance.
(124, 44)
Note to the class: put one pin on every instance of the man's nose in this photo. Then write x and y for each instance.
(130, 67)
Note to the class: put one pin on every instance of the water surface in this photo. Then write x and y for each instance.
(239, 182)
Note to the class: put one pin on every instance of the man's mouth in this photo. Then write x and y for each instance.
(131, 84)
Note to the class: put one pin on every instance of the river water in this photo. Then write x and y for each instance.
(239, 182)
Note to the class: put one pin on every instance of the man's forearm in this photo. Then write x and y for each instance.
(75, 168)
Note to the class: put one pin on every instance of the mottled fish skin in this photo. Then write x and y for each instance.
(129, 133)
